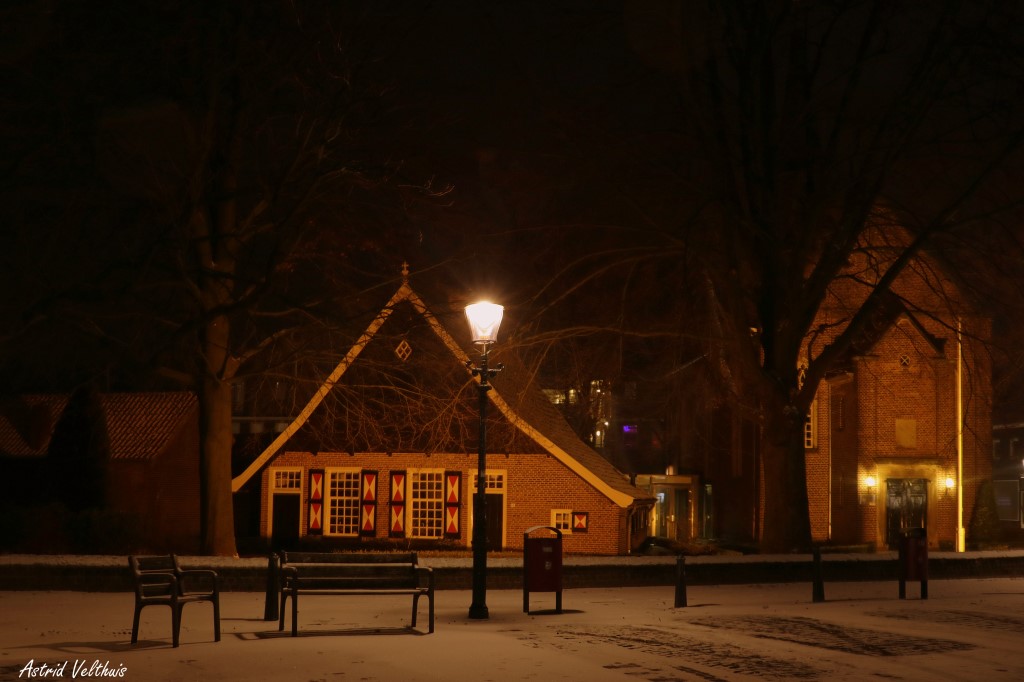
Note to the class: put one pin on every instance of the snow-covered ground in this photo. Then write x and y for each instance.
(967, 630)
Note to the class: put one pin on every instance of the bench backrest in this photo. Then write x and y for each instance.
(166, 563)
(354, 570)
(348, 558)
(143, 566)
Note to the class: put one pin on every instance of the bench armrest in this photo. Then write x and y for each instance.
(205, 577)
(288, 576)
(143, 580)
(428, 572)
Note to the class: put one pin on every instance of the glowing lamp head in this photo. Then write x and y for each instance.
(870, 481)
(484, 320)
(950, 483)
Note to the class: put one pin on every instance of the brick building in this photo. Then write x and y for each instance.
(386, 451)
(899, 434)
(151, 462)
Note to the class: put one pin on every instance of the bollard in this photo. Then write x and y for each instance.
(818, 591)
(680, 581)
(913, 560)
(270, 611)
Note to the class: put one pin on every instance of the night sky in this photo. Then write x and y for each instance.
(516, 139)
(495, 107)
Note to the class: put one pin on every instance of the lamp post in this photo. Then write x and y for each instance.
(484, 319)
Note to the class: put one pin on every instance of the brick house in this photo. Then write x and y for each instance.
(152, 476)
(899, 433)
(885, 448)
(386, 451)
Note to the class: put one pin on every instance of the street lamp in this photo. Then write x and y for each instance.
(484, 319)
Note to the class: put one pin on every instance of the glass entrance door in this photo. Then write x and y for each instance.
(906, 506)
(672, 512)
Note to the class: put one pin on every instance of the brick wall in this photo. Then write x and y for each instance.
(163, 493)
(534, 485)
(817, 464)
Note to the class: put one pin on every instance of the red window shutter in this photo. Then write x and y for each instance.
(452, 503)
(368, 501)
(315, 509)
(396, 525)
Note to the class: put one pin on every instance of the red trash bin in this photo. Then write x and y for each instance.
(542, 565)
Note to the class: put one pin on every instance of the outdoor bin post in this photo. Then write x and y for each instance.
(913, 560)
(270, 611)
(542, 566)
(818, 588)
(680, 581)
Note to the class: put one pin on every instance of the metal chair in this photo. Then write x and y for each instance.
(161, 580)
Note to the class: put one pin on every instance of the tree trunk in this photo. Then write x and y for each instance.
(215, 444)
(787, 522)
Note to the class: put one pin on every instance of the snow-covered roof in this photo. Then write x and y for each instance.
(139, 425)
(524, 407)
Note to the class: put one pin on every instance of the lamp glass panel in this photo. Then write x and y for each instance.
(484, 319)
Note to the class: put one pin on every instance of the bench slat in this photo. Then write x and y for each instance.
(324, 573)
(368, 569)
(304, 579)
(347, 558)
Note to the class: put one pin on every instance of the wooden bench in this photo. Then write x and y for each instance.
(161, 580)
(353, 574)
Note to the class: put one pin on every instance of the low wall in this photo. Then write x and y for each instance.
(110, 573)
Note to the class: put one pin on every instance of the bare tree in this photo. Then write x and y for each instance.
(806, 126)
(243, 191)
(779, 141)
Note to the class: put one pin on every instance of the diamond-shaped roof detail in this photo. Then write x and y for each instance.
(403, 350)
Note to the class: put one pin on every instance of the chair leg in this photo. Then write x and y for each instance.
(415, 607)
(216, 620)
(295, 614)
(176, 622)
(135, 623)
(284, 600)
(430, 601)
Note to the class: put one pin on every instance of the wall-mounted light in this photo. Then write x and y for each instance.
(950, 483)
(870, 485)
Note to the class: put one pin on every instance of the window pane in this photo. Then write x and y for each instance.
(343, 503)
(288, 479)
(427, 504)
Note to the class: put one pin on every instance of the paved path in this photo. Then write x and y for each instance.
(966, 630)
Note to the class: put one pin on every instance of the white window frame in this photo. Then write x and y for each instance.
(494, 482)
(291, 476)
(342, 513)
(425, 509)
(283, 481)
(562, 520)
